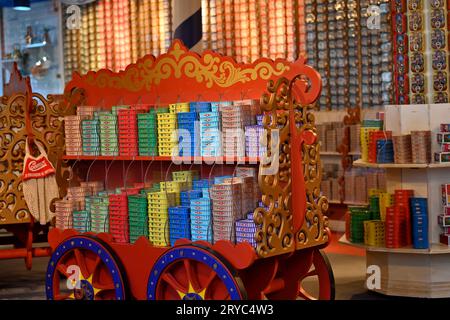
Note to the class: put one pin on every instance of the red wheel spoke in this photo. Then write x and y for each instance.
(63, 270)
(97, 262)
(81, 263)
(210, 279)
(63, 297)
(305, 295)
(171, 281)
(226, 297)
(191, 276)
(310, 274)
(102, 286)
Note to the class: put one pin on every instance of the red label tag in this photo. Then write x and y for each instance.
(37, 168)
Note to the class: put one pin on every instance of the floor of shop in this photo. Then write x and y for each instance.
(348, 265)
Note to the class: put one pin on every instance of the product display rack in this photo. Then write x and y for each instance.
(284, 255)
(407, 271)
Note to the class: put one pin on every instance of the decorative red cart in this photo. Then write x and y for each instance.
(292, 230)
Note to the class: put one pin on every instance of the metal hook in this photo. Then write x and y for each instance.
(89, 170)
(107, 173)
(243, 95)
(126, 173)
(210, 172)
(71, 175)
(147, 170)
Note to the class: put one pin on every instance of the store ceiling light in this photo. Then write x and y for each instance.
(21, 5)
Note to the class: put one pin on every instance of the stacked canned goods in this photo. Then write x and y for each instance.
(366, 128)
(444, 218)
(224, 214)
(147, 134)
(137, 216)
(419, 211)
(63, 213)
(108, 134)
(78, 194)
(187, 196)
(443, 140)
(374, 207)
(167, 138)
(81, 220)
(128, 132)
(386, 200)
(374, 138)
(395, 227)
(400, 37)
(417, 72)
(402, 148)
(90, 137)
(179, 107)
(158, 219)
(118, 216)
(72, 130)
(201, 222)
(202, 107)
(246, 230)
(439, 50)
(357, 217)
(174, 187)
(210, 134)
(185, 176)
(402, 199)
(98, 206)
(253, 146)
(234, 119)
(421, 146)
(385, 151)
(188, 134)
(179, 224)
(92, 187)
(374, 233)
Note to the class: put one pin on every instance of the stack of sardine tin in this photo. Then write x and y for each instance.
(234, 119)
(402, 148)
(63, 213)
(421, 146)
(227, 208)
(72, 129)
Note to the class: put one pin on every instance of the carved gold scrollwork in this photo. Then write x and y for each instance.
(208, 69)
(276, 235)
(47, 125)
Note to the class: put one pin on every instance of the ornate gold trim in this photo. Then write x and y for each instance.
(209, 69)
(276, 235)
(47, 125)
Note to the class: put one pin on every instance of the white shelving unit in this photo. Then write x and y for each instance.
(408, 271)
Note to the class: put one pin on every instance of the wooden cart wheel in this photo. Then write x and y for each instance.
(321, 269)
(85, 268)
(193, 272)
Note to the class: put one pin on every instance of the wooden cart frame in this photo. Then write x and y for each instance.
(292, 230)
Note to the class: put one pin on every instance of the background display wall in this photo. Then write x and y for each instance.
(116, 33)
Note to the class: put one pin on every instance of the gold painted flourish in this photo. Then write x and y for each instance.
(47, 127)
(275, 235)
(208, 69)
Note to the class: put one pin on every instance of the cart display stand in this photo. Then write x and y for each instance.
(26, 114)
(292, 226)
(407, 271)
